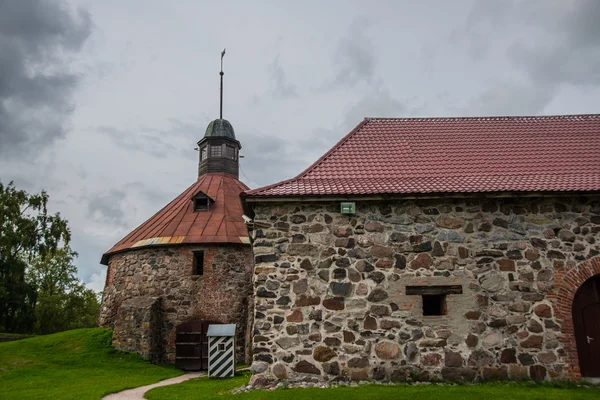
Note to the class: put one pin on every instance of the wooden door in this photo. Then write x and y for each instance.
(191, 346)
(586, 319)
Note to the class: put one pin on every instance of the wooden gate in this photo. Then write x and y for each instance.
(586, 321)
(191, 345)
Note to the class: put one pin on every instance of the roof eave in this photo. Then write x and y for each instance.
(410, 196)
(106, 256)
(214, 138)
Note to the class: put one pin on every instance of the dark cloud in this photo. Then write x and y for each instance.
(269, 159)
(321, 140)
(509, 98)
(36, 85)
(354, 63)
(155, 196)
(177, 140)
(280, 87)
(486, 20)
(552, 43)
(186, 130)
(150, 141)
(106, 207)
(353, 60)
(377, 102)
(567, 47)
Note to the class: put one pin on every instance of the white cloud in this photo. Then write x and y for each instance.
(96, 281)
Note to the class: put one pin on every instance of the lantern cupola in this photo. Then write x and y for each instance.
(219, 150)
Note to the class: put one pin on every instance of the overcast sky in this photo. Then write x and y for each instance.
(102, 102)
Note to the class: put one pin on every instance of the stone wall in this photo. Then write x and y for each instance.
(139, 327)
(222, 293)
(330, 289)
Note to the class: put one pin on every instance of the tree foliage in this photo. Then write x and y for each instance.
(39, 288)
(63, 302)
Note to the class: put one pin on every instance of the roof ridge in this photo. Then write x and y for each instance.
(458, 175)
(487, 118)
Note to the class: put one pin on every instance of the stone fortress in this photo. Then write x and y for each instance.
(414, 249)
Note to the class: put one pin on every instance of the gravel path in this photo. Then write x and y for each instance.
(138, 393)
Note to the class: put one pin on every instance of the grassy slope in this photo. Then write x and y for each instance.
(204, 388)
(77, 364)
(17, 335)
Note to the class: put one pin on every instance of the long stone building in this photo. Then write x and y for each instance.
(434, 248)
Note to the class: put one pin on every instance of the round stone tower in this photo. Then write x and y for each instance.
(189, 265)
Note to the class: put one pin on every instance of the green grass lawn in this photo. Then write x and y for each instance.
(80, 364)
(77, 364)
(205, 388)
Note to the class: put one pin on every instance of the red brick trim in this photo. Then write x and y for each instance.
(110, 273)
(568, 282)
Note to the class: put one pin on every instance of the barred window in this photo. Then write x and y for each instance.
(230, 152)
(215, 151)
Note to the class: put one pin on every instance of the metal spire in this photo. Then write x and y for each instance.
(222, 73)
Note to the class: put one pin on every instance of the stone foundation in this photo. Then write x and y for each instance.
(139, 279)
(331, 299)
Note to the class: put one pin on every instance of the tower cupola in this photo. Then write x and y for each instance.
(219, 149)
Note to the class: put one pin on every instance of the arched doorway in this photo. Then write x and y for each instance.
(586, 323)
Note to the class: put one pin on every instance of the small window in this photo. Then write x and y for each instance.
(198, 267)
(434, 297)
(434, 304)
(201, 203)
(221, 346)
(230, 152)
(215, 151)
(203, 153)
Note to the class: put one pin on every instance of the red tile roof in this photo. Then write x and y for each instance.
(442, 155)
(177, 223)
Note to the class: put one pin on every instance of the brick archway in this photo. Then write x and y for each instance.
(567, 284)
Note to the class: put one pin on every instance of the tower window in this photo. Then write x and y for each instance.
(201, 203)
(198, 267)
(230, 152)
(434, 304)
(203, 153)
(215, 151)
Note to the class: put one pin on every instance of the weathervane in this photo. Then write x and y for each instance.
(222, 73)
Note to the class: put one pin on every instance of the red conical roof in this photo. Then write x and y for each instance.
(178, 223)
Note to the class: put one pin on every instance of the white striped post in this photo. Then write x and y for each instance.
(221, 351)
